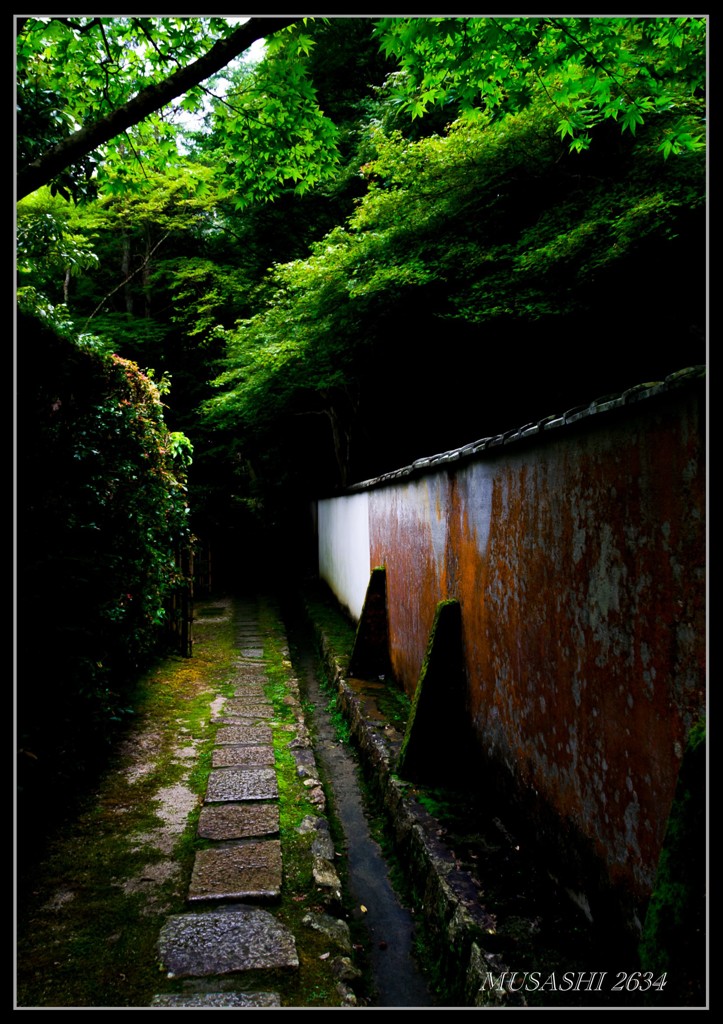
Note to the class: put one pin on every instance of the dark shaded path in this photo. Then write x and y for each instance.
(232, 934)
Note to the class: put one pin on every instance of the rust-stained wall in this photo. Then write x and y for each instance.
(578, 558)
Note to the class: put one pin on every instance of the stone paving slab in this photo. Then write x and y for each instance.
(242, 692)
(242, 716)
(219, 999)
(242, 783)
(236, 720)
(237, 754)
(252, 652)
(250, 674)
(248, 706)
(249, 691)
(244, 871)
(260, 734)
(239, 939)
(238, 821)
(245, 720)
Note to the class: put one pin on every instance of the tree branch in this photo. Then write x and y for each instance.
(130, 277)
(148, 100)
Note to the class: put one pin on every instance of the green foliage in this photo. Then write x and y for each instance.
(493, 221)
(72, 71)
(275, 136)
(48, 243)
(269, 131)
(33, 303)
(588, 70)
(204, 293)
(462, 181)
(103, 515)
(175, 198)
(109, 248)
(272, 135)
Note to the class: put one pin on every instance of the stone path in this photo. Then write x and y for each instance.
(230, 926)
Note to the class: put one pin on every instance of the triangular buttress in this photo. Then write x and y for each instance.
(436, 745)
(370, 656)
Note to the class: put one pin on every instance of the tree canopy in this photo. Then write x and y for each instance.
(102, 77)
(85, 82)
(335, 226)
(487, 235)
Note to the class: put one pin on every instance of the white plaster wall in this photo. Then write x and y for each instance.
(344, 560)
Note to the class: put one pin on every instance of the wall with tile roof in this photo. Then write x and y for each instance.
(576, 547)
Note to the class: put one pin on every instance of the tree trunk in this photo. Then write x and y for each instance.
(126, 271)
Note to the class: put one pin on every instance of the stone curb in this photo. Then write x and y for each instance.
(451, 905)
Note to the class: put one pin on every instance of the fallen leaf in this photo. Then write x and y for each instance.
(324, 956)
(363, 909)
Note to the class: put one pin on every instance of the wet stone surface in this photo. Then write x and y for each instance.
(335, 930)
(242, 783)
(248, 870)
(238, 821)
(250, 680)
(238, 939)
(305, 762)
(245, 692)
(239, 754)
(322, 845)
(240, 817)
(325, 874)
(260, 734)
(249, 707)
(219, 999)
(252, 675)
(250, 721)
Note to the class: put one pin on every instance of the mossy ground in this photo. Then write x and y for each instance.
(90, 909)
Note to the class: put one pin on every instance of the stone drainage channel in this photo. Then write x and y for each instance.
(226, 934)
(390, 926)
